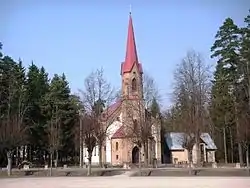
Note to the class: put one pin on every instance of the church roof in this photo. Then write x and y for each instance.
(111, 109)
(175, 140)
(131, 57)
(120, 133)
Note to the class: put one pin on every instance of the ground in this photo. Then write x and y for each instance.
(161, 177)
(167, 172)
(122, 182)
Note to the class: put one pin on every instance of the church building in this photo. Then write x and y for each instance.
(118, 149)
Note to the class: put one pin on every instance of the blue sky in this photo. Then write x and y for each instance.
(78, 36)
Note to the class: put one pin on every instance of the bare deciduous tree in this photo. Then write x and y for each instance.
(89, 129)
(12, 135)
(98, 95)
(54, 137)
(12, 128)
(191, 93)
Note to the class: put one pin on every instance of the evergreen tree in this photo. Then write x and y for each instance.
(13, 107)
(226, 50)
(155, 109)
(245, 86)
(221, 110)
(36, 88)
(245, 54)
(31, 106)
(60, 113)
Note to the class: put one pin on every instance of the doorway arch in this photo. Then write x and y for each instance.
(135, 155)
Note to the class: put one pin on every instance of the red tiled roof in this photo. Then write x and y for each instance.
(120, 133)
(131, 58)
(111, 109)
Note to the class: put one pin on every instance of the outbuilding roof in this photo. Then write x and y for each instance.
(175, 140)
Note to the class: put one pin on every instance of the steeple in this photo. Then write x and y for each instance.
(131, 57)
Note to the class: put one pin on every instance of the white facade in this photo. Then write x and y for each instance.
(111, 130)
(95, 155)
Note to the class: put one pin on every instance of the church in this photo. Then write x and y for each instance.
(118, 149)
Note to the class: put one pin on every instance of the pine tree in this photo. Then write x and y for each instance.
(13, 107)
(221, 109)
(155, 109)
(60, 113)
(245, 86)
(36, 88)
(226, 50)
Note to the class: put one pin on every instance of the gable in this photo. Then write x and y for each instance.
(120, 133)
(112, 117)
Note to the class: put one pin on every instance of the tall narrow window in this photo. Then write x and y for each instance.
(133, 84)
(116, 146)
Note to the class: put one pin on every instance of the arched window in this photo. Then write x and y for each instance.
(116, 146)
(133, 84)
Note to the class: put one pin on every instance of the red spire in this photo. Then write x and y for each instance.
(131, 58)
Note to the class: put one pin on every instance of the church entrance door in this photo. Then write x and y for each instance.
(135, 155)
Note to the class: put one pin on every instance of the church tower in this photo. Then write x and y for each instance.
(131, 69)
(132, 105)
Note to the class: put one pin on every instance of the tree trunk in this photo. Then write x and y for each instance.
(31, 154)
(100, 155)
(9, 167)
(247, 158)
(81, 146)
(232, 145)
(51, 163)
(80, 156)
(44, 157)
(190, 161)
(56, 160)
(89, 164)
(140, 161)
(225, 144)
(17, 156)
(198, 153)
(240, 153)
(146, 154)
(238, 135)
(75, 158)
